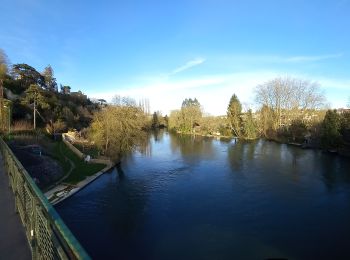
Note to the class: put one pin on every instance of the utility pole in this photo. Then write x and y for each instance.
(34, 115)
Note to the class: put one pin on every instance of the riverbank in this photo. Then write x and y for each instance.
(341, 151)
(207, 135)
(65, 190)
(80, 174)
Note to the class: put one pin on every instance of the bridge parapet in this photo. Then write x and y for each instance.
(48, 236)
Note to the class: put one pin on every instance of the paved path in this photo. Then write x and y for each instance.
(13, 241)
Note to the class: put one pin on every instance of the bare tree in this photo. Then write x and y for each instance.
(289, 98)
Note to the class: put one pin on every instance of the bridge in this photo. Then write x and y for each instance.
(30, 228)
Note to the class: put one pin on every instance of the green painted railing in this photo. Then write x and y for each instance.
(48, 236)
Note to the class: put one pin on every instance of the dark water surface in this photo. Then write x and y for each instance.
(200, 198)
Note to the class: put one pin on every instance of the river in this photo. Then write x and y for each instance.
(201, 198)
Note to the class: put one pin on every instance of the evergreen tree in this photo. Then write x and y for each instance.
(234, 112)
(249, 126)
(34, 95)
(50, 81)
(330, 135)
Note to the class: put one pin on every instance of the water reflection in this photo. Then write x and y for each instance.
(193, 149)
(334, 171)
(158, 134)
(243, 200)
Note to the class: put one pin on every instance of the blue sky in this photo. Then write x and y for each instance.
(170, 50)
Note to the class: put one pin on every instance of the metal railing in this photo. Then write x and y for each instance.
(48, 236)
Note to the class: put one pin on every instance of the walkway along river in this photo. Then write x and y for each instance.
(201, 198)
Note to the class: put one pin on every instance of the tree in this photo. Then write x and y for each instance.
(27, 75)
(65, 90)
(249, 126)
(265, 121)
(3, 73)
(234, 111)
(50, 81)
(289, 99)
(117, 129)
(34, 95)
(330, 130)
(191, 114)
(175, 120)
(57, 126)
(297, 130)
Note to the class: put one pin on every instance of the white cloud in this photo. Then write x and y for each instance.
(215, 91)
(212, 91)
(188, 65)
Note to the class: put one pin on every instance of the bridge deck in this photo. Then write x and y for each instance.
(13, 241)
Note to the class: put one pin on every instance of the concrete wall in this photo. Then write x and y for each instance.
(66, 139)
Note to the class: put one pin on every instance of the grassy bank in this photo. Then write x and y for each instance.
(81, 169)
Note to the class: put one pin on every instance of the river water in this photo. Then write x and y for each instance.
(201, 198)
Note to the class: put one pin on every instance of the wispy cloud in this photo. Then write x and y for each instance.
(313, 58)
(188, 65)
(249, 59)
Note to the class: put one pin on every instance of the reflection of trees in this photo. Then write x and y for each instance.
(192, 148)
(235, 156)
(296, 154)
(144, 145)
(329, 171)
(158, 134)
(240, 153)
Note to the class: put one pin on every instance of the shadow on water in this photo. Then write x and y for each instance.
(120, 172)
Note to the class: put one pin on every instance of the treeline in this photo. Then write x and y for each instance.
(287, 110)
(32, 98)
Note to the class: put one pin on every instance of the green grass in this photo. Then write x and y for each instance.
(87, 149)
(58, 155)
(81, 170)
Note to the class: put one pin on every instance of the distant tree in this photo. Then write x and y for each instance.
(191, 114)
(65, 90)
(145, 105)
(249, 126)
(155, 120)
(33, 95)
(27, 75)
(123, 101)
(289, 98)
(265, 121)
(234, 111)
(297, 130)
(330, 130)
(175, 120)
(50, 81)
